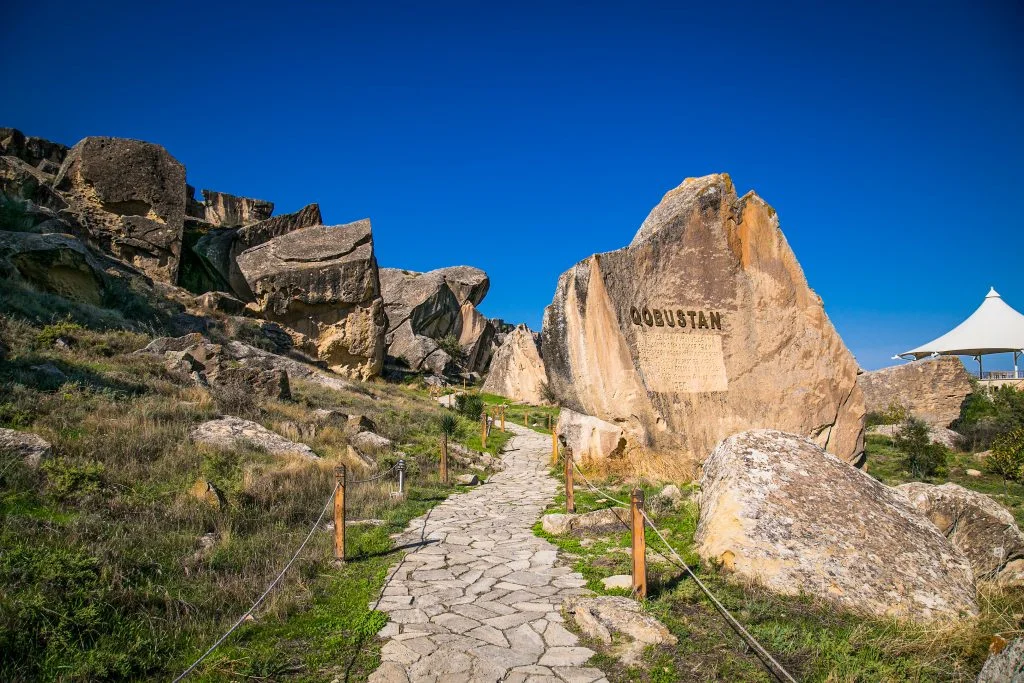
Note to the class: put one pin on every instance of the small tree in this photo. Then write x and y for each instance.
(470, 405)
(450, 345)
(1007, 457)
(924, 458)
(450, 427)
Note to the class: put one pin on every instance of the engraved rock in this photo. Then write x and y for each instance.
(702, 327)
(932, 389)
(517, 370)
(778, 510)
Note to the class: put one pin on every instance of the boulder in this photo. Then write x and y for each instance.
(234, 432)
(417, 352)
(129, 196)
(476, 338)
(932, 389)
(20, 181)
(979, 527)
(602, 521)
(205, 492)
(589, 437)
(224, 210)
(516, 370)
(1005, 665)
(31, 448)
(423, 300)
(55, 263)
(259, 233)
(778, 510)
(369, 443)
(702, 327)
(322, 282)
(467, 480)
(221, 303)
(619, 621)
(556, 524)
(468, 284)
(36, 152)
(355, 424)
(619, 581)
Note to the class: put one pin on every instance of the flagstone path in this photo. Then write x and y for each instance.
(481, 602)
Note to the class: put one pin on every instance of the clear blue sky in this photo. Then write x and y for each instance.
(522, 137)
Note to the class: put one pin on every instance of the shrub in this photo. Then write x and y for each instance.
(924, 459)
(64, 329)
(236, 397)
(67, 481)
(988, 414)
(547, 393)
(450, 345)
(1007, 458)
(470, 405)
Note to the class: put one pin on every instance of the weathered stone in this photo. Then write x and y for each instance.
(213, 250)
(221, 302)
(34, 151)
(556, 524)
(54, 263)
(590, 438)
(517, 371)
(618, 581)
(424, 300)
(234, 432)
(1006, 665)
(932, 389)
(20, 181)
(129, 196)
(596, 522)
(702, 327)
(417, 352)
(260, 233)
(224, 210)
(354, 424)
(467, 480)
(31, 448)
(204, 491)
(940, 435)
(476, 338)
(368, 443)
(619, 620)
(979, 527)
(777, 509)
(322, 281)
(468, 284)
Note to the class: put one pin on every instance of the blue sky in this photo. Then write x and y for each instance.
(523, 137)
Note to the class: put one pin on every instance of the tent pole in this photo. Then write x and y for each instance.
(1016, 354)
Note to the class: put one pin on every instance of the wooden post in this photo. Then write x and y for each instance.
(554, 449)
(483, 429)
(639, 544)
(443, 468)
(339, 514)
(570, 498)
(526, 420)
(549, 422)
(503, 418)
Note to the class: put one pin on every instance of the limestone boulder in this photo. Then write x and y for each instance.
(322, 281)
(476, 338)
(516, 370)
(234, 432)
(259, 233)
(417, 352)
(590, 438)
(702, 327)
(1005, 665)
(619, 621)
(30, 448)
(932, 389)
(55, 263)
(468, 284)
(423, 300)
(129, 196)
(979, 527)
(778, 510)
(369, 443)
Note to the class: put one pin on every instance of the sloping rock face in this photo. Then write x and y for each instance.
(702, 327)
(323, 282)
(476, 338)
(932, 389)
(259, 233)
(466, 282)
(517, 371)
(129, 196)
(54, 263)
(778, 510)
(224, 210)
(421, 308)
(590, 438)
(37, 152)
(979, 527)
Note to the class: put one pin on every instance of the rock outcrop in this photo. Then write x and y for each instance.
(979, 527)
(778, 510)
(234, 432)
(223, 210)
(36, 152)
(932, 389)
(323, 282)
(55, 263)
(619, 621)
(1005, 665)
(467, 283)
(590, 438)
(476, 338)
(30, 448)
(516, 370)
(259, 233)
(129, 198)
(702, 327)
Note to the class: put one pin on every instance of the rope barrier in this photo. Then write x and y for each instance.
(263, 597)
(376, 476)
(777, 669)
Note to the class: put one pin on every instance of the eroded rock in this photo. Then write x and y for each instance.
(31, 448)
(234, 432)
(224, 210)
(618, 620)
(589, 437)
(932, 389)
(702, 327)
(777, 509)
(54, 263)
(516, 370)
(1006, 665)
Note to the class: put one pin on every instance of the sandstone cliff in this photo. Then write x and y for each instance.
(932, 389)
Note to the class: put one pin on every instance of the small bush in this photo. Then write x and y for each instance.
(924, 459)
(450, 345)
(68, 481)
(470, 405)
(236, 397)
(1007, 458)
(988, 414)
(64, 329)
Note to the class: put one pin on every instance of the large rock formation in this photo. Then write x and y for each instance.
(36, 152)
(256, 234)
(223, 210)
(932, 389)
(129, 198)
(517, 371)
(702, 327)
(588, 437)
(476, 338)
(59, 264)
(778, 510)
(323, 282)
(979, 527)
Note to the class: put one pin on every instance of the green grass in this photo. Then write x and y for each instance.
(540, 417)
(813, 640)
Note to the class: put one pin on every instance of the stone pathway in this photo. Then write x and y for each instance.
(482, 603)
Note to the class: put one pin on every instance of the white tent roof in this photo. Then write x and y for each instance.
(993, 328)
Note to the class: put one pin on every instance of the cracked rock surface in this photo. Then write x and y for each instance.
(478, 597)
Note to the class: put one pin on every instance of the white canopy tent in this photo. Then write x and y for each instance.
(993, 328)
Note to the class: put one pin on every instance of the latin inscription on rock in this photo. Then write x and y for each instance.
(682, 364)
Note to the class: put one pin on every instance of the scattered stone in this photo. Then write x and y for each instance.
(979, 527)
(369, 443)
(31, 448)
(612, 619)
(1005, 665)
(129, 196)
(624, 581)
(221, 302)
(322, 281)
(517, 371)
(972, 473)
(708, 361)
(557, 524)
(355, 424)
(204, 491)
(596, 522)
(233, 432)
(776, 509)
(932, 389)
(669, 498)
(590, 438)
(50, 373)
(467, 480)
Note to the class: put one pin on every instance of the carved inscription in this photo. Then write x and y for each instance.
(675, 317)
(682, 364)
